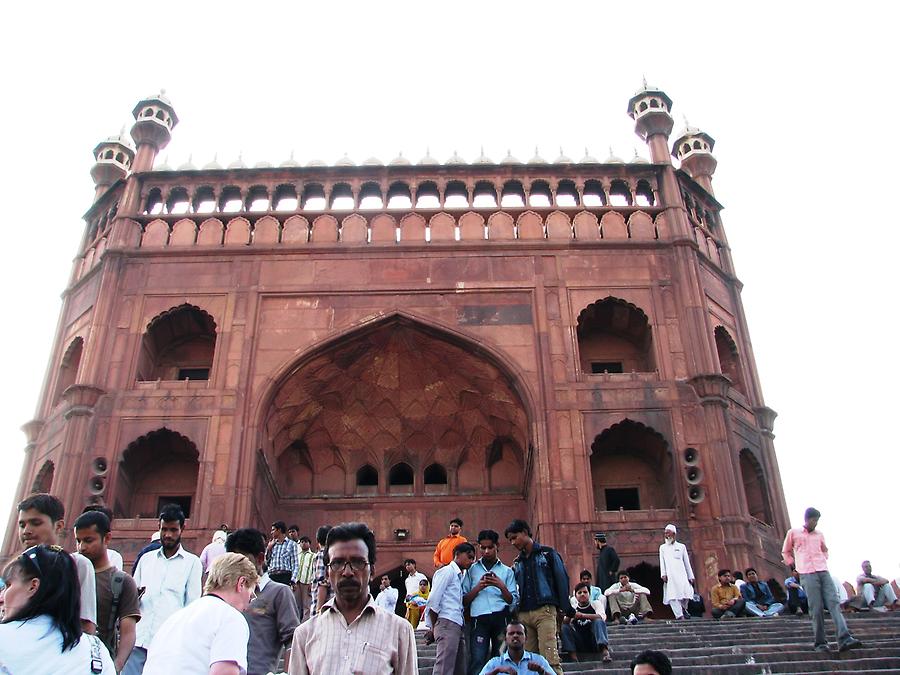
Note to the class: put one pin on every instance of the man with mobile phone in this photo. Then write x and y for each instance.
(491, 595)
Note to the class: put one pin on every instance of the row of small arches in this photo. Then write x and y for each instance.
(412, 229)
(453, 194)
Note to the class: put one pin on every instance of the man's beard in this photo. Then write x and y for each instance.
(171, 547)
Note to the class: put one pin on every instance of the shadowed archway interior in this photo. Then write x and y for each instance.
(397, 412)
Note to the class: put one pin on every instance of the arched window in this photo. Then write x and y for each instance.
(257, 199)
(619, 194)
(631, 469)
(435, 478)
(456, 196)
(540, 194)
(593, 193)
(43, 481)
(68, 368)
(755, 487)
(230, 200)
(614, 337)
(313, 198)
(512, 195)
(179, 202)
(178, 345)
(370, 197)
(566, 193)
(367, 479)
(204, 200)
(342, 197)
(399, 196)
(400, 478)
(285, 198)
(157, 469)
(427, 196)
(729, 361)
(154, 204)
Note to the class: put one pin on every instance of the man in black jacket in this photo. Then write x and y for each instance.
(607, 563)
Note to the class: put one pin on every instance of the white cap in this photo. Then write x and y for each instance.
(219, 536)
(671, 527)
(154, 536)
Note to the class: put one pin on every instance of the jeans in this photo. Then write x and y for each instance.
(487, 636)
(739, 608)
(135, 663)
(795, 602)
(774, 609)
(573, 641)
(540, 634)
(821, 594)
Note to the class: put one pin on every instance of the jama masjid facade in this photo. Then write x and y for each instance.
(403, 343)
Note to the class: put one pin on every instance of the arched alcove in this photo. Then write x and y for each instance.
(614, 336)
(411, 401)
(43, 481)
(631, 469)
(729, 360)
(755, 491)
(158, 468)
(179, 344)
(68, 368)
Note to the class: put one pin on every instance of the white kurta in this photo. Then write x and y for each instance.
(675, 564)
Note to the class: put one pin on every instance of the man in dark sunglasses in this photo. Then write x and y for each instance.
(41, 520)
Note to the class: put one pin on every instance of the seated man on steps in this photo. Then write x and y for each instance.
(759, 600)
(797, 601)
(626, 599)
(726, 599)
(516, 659)
(873, 592)
(586, 631)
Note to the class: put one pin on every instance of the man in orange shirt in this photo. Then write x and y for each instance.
(443, 552)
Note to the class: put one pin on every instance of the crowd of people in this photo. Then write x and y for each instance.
(250, 602)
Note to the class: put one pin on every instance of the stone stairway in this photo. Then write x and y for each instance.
(741, 646)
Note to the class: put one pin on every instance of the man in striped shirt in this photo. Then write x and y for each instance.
(350, 634)
(282, 556)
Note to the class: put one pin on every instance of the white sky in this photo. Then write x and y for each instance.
(800, 97)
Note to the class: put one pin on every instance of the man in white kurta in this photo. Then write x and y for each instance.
(676, 572)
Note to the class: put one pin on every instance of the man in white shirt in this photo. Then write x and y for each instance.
(168, 579)
(444, 612)
(210, 635)
(41, 520)
(387, 595)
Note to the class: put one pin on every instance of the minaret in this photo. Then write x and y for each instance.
(694, 150)
(114, 158)
(651, 111)
(154, 120)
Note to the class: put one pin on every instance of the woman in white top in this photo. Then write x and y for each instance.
(41, 629)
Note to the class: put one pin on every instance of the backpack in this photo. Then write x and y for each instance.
(116, 584)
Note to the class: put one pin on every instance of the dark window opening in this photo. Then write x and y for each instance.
(598, 367)
(435, 475)
(367, 476)
(193, 373)
(622, 498)
(401, 474)
(183, 501)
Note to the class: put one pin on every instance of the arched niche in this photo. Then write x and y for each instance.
(179, 344)
(755, 489)
(729, 359)
(614, 336)
(158, 468)
(68, 368)
(631, 469)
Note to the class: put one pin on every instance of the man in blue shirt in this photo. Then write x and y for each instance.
(797, 601)
(490, 593)
(543, 591)
(759, 600)
(516, 660)
(444, 612)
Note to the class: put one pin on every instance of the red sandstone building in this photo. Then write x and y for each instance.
(405, 343)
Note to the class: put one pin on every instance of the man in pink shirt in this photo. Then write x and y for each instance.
(804, 547)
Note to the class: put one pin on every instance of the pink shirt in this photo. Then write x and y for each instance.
(805, 550)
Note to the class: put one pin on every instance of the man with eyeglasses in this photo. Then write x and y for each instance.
(351, 634)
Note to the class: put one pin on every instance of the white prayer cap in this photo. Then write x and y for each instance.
(154, 536)
(671, 527)
(219, 536)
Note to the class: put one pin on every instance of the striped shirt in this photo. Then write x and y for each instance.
(319, 578)
(375, 642)
(305, 575)
(283, 558)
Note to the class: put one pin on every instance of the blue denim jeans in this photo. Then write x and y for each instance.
(487, 635)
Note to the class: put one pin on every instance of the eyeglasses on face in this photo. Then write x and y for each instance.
(356, 564)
